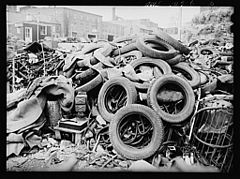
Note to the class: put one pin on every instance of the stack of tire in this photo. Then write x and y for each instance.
(166, 55)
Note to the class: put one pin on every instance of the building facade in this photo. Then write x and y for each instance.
(30, 29)
(139, 26)
(74, 23)
(109, 31)
(66, 22)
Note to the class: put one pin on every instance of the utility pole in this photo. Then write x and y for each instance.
(180, 23)
(13, 74)
(37, 28)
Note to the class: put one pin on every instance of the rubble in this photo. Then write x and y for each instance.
(133, 104)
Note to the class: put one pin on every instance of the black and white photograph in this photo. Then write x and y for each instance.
(119, 88)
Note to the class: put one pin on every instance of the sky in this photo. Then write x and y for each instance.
(164, 16)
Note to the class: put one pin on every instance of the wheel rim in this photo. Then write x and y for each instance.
(135, 130)
(116, 98)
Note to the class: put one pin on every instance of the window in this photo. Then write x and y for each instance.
(43, 30)
(74, 34)
(53, 29)
(27, 32)
(18, 30)
(57, 28)
(29, 17)
(110, 38)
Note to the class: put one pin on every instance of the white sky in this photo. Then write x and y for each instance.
(164, 16)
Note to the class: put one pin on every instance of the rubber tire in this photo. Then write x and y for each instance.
(218, 41)
(124, 39)
(196, 80)
(90, 85)
(226, 53)
(188, 92)
(146, 60)
(173, 42)
(135, 53)
(86, 75)
(91, 48)
(203, 77)
(149, 51)
(214, 52)
(125, 49)
(68, 73)
(193, 43)
(174, 60)
(131, 152)
(210, 86)
(126, 84)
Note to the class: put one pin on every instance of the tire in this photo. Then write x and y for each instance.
(173, 42)
(124, 49)
(210, 86)
(85, 62)
(135, 53)
(205, 42)
(184, 68)
(203, 77)
(132, 152)
(130, 92)
(193, 43)
(91, 48)
(68, 73)
(124, 39)
(217, 42)
(86, 75)
(189, 102)
(164, 51)
(165, 68)
(226, 53)
(90, 85)
(101, 54)
(210, 50)
(174, 60)
(71, 62)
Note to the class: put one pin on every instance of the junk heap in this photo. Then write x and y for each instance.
(137, 103)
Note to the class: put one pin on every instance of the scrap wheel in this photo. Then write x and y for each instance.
(174, 112)
(114, 94)
(136, 132)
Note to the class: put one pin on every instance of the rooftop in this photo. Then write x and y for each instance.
(79, 11)
(61, 8)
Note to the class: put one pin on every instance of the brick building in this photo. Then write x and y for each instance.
(30, 27)
(109, 31)
(75, 23)
(66, 22)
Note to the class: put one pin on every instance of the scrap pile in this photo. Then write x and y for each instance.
(147, 98)
(31, 61)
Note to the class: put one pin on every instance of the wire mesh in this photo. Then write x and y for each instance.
(212, 136)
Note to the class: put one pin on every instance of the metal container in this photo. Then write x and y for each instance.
(53, 112)
(213, 133)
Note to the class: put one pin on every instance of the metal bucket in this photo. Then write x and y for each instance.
(53, 112)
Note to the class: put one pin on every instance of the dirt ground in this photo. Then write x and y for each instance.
(67, 156)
